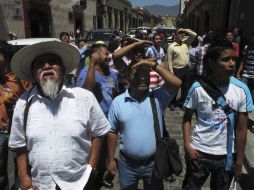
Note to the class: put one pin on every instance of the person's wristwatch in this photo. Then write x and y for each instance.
(155, 66)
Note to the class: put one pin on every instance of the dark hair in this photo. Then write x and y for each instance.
(156, 34)
(214, 51)
(195, 42)
(82, 40)
(64, 33)
(96, 47)
(6, 49)
(210, 37)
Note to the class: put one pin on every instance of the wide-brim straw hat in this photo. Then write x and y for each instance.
(22, 60)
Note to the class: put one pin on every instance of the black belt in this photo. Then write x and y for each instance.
(127, 159)
(212, 156)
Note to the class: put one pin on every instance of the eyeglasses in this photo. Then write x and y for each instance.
(228, 58)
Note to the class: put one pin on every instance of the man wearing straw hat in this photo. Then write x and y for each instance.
(56, 130)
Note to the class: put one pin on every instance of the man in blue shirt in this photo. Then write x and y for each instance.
(131, 116)
(98, 78)
(102, 81)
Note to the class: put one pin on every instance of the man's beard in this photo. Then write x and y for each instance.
(50, 87)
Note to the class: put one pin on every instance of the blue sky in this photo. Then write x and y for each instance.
(152, 2)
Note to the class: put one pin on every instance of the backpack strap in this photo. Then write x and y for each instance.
(214, 92)
(155, 52)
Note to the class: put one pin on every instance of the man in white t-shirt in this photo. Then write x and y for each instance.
(207, 149)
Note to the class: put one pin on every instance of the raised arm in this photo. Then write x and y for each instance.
(90, 81)
(191, 35)
(173, 82)
(124, 50)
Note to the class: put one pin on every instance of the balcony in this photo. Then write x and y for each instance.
(80, 4)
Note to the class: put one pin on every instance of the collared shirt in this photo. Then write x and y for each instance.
(178, 54)
(134, 121)
(58, 136)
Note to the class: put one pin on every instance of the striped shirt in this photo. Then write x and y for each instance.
(200, 59)
(248, 53)
(155, 80)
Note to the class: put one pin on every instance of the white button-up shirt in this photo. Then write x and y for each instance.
(58, 136)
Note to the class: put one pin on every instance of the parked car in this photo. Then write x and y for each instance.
(131, 33)
(168, 33)
(102, 35)
(145, 29)
(20, 43)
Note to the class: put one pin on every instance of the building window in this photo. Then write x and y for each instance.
(94, 22)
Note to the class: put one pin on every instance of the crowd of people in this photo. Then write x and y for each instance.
(63, 107)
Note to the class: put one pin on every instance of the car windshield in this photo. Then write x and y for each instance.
(95, 36)
(166, 31)
(132, 32)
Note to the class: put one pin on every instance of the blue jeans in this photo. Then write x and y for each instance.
(130, 173)
(3, 161)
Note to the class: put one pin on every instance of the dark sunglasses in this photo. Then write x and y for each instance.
(50, 59)
(228, 58)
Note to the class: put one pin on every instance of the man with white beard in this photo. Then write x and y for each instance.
(56, 130)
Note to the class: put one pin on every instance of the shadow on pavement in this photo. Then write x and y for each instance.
(246, 180)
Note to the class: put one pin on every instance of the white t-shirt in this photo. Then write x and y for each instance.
(210, 133)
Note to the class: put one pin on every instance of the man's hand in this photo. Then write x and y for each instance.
(146, 62)
(112, 166)
(193, 154)
(95, 57)
(143, 42)
(26, 183)
(237, 171)
(4, 124)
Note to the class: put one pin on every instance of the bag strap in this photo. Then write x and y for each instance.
(155, 52)
(26, 110)
(155, 119)
(214, 92)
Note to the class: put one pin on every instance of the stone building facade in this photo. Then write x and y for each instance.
(219, 15)
(36, 18)
(48, 18)
(114, 14)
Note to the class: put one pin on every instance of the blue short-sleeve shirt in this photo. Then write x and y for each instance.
(134, 121)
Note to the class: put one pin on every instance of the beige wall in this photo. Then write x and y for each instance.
(11, 23)
(119, 6)
(60, 17)
(89, 13)
(169, 21)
